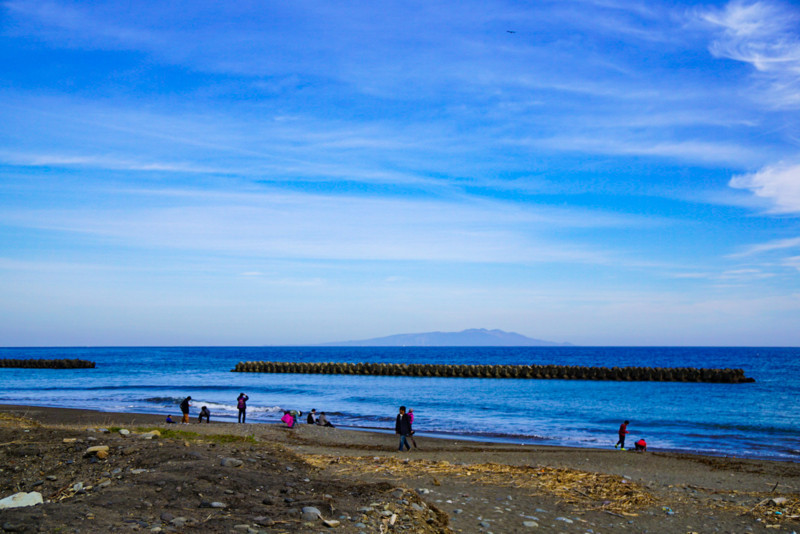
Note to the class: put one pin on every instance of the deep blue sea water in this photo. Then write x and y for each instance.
(758, 420)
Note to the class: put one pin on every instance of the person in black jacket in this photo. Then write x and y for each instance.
(403, 427)
(185, 409)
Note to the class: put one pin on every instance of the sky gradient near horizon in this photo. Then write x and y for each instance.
(597, 172)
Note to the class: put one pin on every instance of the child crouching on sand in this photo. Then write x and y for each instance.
(288, 418)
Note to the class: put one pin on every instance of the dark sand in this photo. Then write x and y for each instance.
(167, 484)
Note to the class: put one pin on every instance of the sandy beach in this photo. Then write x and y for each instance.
(225, 477)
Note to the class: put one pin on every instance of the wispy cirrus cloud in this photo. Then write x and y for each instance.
(778, 244)
(764, 35)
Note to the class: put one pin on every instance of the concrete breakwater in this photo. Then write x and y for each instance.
(563, 372)
(45, 364)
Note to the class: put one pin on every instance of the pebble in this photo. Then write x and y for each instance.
(564, 519)
(264, 521)
(330, 523)
(310, 513)
(124, 431)
(231, 462)
(20, 500)
(530, 524)
(217, 504)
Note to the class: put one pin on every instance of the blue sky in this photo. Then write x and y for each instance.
(258, 173)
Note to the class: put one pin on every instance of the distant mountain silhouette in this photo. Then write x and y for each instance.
(474, 337)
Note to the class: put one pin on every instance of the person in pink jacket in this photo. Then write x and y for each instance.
(288, 418)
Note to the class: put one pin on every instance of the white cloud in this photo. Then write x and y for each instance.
(296, 225)
(780, 184)
(762, 34)
(779, 244)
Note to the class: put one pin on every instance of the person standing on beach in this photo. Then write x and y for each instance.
(411, 421)
(185, 409)
(623, 429)
(403, 427)
(242, 405)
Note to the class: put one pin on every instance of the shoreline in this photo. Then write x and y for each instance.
(524, 441)
(451, 485)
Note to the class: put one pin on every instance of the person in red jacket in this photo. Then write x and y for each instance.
(641, 445)
(623, 429)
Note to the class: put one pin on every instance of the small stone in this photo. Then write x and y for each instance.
(217, 504)
(124, 431)
(51, 477)
(22, 499)
(231, 462)
(530, 524)
(331, 523)
(166, 517)
(564, 519)
(70, 440)
(94, 450)
(312, 513)
(241, 528)
(178, 522)
(264, 521)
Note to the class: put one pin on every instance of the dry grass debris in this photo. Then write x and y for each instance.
(596, 491)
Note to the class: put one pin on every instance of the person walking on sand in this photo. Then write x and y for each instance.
(623, 429)
(411, 420)
(204, 413)
(242, 405)
(185, 409)
(403, 427)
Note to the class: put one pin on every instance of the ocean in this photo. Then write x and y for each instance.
(756, 420)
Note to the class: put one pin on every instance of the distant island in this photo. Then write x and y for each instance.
(473, 337)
